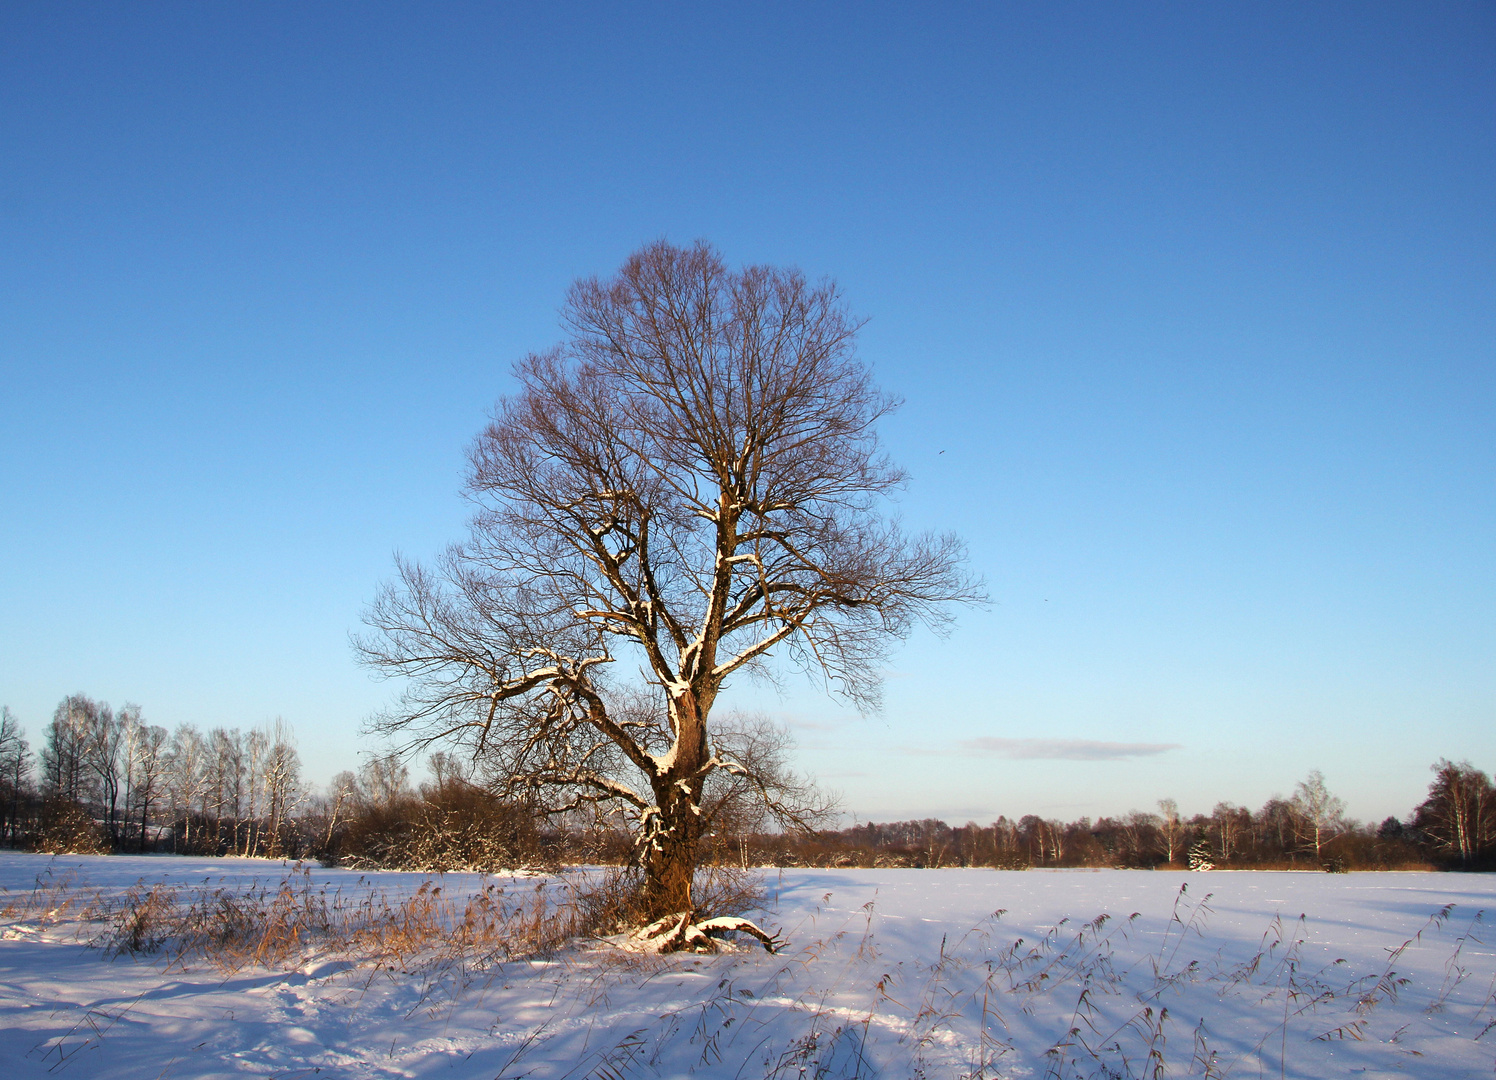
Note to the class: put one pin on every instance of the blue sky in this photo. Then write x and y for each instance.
(1192, 309)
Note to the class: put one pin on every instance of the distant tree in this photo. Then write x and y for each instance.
(103, 752)
(1031, 834)
(186, 783)
(148, 774)
(1132, 840)
(225, 785)
(15, 774)
(1228, 822)
(1171, 830)
(691, 484)
(64, 756)
(1007, 843)
(1144, 833)
(131, 727)
(1320, 814)
(341, 803)
(281, 779)
(1277, 828)
(256, 742)
(384, 781)
(1459, 814)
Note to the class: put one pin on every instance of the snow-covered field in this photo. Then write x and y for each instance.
(892, 973)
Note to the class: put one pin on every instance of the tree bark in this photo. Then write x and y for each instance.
(670, 860)
(670, 863)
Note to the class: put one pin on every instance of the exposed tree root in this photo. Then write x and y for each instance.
(679, 933)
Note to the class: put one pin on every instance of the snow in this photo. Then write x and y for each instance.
(889, 973)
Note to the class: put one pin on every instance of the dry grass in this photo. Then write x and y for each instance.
(54, 899)
(282, 926)
(1076, 1002)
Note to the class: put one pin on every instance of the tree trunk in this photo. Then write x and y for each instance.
(670, 862)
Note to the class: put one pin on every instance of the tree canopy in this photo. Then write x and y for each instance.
(689, 485)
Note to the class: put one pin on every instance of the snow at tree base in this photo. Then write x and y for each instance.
(884, 973)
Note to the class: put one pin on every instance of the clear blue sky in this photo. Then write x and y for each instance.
(1192, 307)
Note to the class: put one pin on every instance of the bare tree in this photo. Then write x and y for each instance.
(186, 780)
(104, 751)
(1171, 829)
(130, 728)
(690, 485)
(342, 791)
(1142, 832)
(256, 741)
(1228, 821)
(1459, 814)
(148, 773)
(15, 770)
(64, 757)
(226, 783)
(384, 780)
(1320, 813)
(281, 778)
(1277, 825)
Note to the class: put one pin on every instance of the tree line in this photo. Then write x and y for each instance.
(1454, 827)
(106, 780)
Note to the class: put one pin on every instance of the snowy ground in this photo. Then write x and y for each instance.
(891, 973)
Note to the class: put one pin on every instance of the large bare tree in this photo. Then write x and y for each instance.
(690, 487)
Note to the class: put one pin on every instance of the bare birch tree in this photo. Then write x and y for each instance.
(1171, 829)
(1228, 821)
(256, 741)
(186, 780)
(1320, 814)
(281, 777)
(148, 774)
(690, 485)
(225, 769)
(1459, 815)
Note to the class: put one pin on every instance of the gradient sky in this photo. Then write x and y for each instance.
(1191, 306)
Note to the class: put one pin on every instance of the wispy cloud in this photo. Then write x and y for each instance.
(819, 721)
(812, 725)
(1063, 749)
